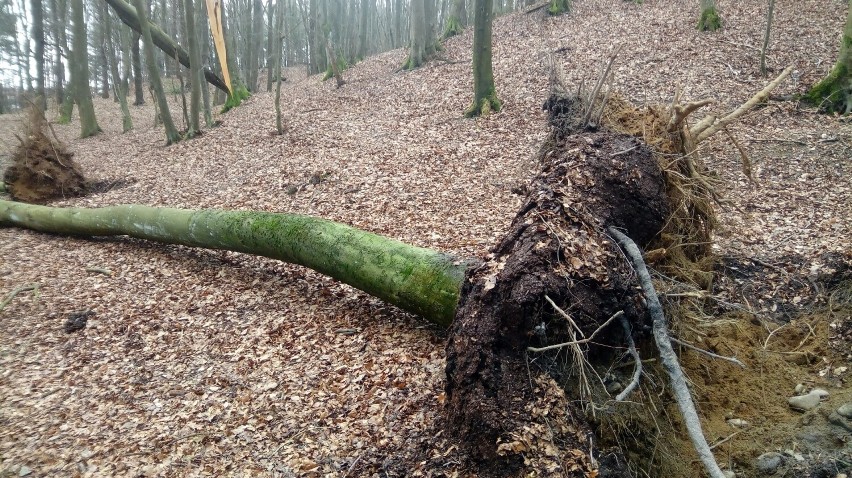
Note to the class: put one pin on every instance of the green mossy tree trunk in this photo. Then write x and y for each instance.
(709, 21)
(80, 73)
(558, 7)
(485, 97)
(457, 19)
(834, 92)
(417, 23)
(421, 281)
(172, 135)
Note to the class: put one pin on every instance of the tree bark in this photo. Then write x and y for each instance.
(422, 281)
(195, 77)
(119, 86)
(58, 10)
(709, 21)
(154, 80)
(417, 24)
(136, 59)
(834, 92)
(128, 15)
(80, 73)
(38, 39)
(485, 97)
(457, 20)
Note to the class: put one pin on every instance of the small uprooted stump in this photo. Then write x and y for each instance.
(42, 168)
(509, 415)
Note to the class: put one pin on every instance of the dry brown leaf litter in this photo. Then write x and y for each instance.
(207, 363)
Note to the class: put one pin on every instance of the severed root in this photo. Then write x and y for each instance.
(668, 357)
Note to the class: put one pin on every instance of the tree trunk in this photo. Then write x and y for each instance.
(58, 10)
(457, 20)
(119, 86)
(484, 97)
(367, 6)
(154, 80)
(195, 76)
(709, 21)
(103, 64)
(38, 38)
(422, 281)
(80, 73)
(417, 24)
(136, 55)
(128, 15)
(270, 45)
(769, 15)
(834, 92)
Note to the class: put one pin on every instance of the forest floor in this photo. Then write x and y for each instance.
(200, 363)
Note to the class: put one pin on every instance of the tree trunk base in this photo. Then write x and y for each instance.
(710, 21)
(834, 93)
(501, 406)
(486, 106)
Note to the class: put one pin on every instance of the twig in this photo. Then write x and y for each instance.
(724, 440)
(596, 91)
(776, 140)
(743, 155)
(574, 342)
(16, 291)
(708, 353)
(622, 152)
(637, 370)
(668, 357)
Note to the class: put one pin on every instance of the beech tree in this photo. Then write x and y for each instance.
(422, 33)
(119, 86)
(195, 77)
(38, 39)
(709, 21)
(834, 92)
(484, 94)
(457, 19)
(80, 73)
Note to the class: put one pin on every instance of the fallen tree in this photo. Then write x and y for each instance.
(555, 276)
(127, 14)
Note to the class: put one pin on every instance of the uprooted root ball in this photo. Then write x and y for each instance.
(42, 167)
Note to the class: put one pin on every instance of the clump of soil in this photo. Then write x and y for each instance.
(503, 410)
(41, 167)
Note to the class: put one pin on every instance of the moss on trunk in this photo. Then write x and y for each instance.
(710, 21)
(419, 280)
(834, 93)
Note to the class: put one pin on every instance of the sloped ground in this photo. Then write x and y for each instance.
(207, 363)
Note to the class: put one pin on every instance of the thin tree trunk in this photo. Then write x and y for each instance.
(136, 55)
(154, 80)
(58, 8)
(119, 86)
(80, 73)
(38, 38)
(270, 44)
(279, 21)
(194, 69)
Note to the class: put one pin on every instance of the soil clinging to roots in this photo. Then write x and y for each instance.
(506, 413)
(42, 167)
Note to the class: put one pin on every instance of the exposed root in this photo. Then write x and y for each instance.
(668, 357)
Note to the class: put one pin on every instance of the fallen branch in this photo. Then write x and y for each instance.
(588, 115)
(637, 370)
(682, 111)
(16, 291)
(668, 357)
(760, 97)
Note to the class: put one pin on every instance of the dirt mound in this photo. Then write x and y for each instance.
(42, 167)
(555, 249)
